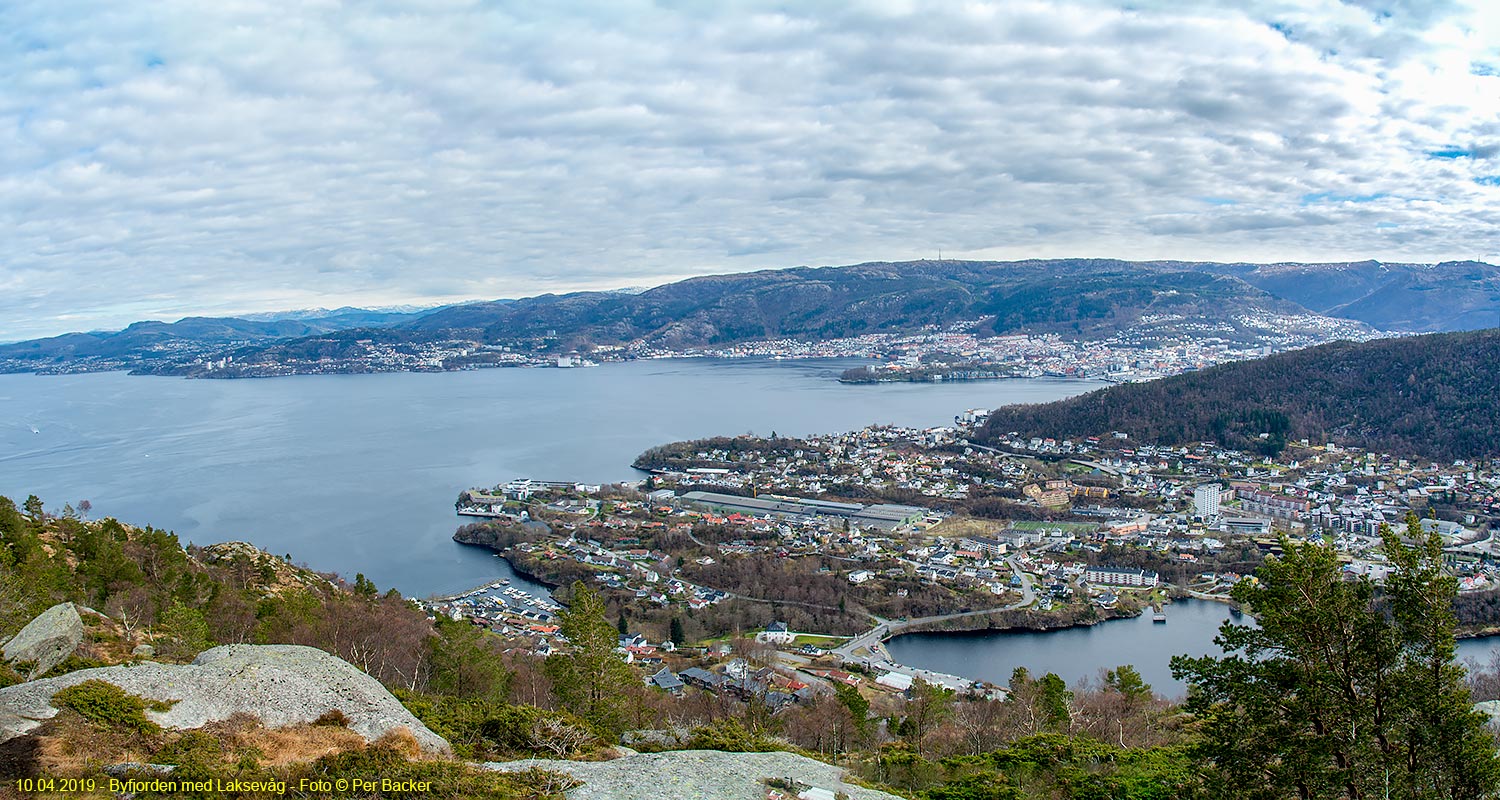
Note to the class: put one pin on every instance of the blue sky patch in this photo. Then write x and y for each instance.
(1451, 152)
(1335, 197)
(1488, 180)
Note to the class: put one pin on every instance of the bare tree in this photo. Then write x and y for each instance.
(559, 736)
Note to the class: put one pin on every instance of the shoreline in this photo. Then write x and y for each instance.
(1043, 627)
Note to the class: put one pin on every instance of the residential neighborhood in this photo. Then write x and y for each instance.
(1032, 532)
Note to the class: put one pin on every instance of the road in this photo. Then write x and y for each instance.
(870, 640)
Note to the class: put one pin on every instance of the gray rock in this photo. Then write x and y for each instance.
(280, 685)
(143, 651)
(137, 768)
(693, 775)
(45, 641)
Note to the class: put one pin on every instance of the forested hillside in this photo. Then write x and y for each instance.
(1078, 297)
(1430, 396)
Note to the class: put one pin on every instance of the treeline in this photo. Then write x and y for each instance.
(1428, 396)
(680, 455)
(1239, 558)
(184, 600)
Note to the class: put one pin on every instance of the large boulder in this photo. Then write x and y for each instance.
(695, 775)
(45, 641)
(280, 685)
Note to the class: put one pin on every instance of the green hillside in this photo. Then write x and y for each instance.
(1432, 396)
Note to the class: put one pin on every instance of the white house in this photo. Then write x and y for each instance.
(776, 633)
(860, 576)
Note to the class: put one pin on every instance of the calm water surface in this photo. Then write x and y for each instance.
(358, 473)
(1078, 654)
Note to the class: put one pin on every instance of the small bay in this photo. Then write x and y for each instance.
(1078, 654)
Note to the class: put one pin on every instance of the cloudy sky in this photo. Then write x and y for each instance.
(170, 158)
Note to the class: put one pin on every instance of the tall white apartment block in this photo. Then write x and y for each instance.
(1206, 500)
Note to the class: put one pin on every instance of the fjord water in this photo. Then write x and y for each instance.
(358, 473)
(1075, 654)
(1078, 654)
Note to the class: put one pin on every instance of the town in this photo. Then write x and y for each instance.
(768, 566)
(1154, 346)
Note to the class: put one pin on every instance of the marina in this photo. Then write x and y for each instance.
(496, 600)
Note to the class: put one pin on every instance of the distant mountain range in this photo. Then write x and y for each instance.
(1078, 298)
(191, 336)
(1430, 396)
(1421, 298)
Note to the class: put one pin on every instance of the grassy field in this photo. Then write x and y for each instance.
(969, 526)
(824, 642)
(1067, 526)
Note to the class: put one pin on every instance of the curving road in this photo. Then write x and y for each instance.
(884, 628)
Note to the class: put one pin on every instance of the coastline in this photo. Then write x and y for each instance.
(518, 569)
(1033, 623)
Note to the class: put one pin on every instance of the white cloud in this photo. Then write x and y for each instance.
(164, 159)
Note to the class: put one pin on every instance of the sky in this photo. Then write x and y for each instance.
(175, 158)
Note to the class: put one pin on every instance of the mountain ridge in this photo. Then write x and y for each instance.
(1428, 395)
(1082, 298)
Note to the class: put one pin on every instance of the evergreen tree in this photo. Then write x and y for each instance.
(33, 506)
(463, 665)
(1127, 681)
(1340, 692)
(590, 679)
(850, 698)
(1445, 751)
(364, 587)
(677, 634)
(184, 631)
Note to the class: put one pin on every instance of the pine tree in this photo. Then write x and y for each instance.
(183, 631)
(590, 679)
(1341, 691)
(1444, 749)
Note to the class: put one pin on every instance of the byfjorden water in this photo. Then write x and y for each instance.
(358, 473)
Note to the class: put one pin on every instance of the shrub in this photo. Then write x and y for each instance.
(191, 748)
(449, 779)
(731, 737)
(109, 706)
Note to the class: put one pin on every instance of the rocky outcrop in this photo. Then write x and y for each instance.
(45, 641)
(694, 775)
(280, 685)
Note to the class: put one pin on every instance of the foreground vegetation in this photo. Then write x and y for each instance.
(1346, 690)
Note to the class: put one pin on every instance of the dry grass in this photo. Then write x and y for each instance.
(243, 733)
(968, 526)
(67, 745)
(402, 741)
